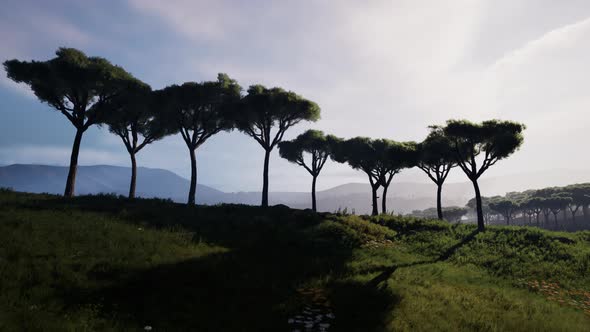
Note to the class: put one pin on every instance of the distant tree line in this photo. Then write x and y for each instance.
(553, 207)
(92, 91)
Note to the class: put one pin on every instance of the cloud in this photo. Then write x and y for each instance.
(57, 155)
(24, 42)
(377, 68)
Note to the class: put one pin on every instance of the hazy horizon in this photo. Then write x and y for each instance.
(384, 69)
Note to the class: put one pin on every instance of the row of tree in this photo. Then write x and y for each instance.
(530, 205)
(473, 147)
(92, 91)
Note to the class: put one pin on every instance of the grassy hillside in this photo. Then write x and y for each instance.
(104, 263)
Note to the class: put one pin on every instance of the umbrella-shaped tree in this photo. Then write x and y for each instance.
(263, 109)
(76, 85)
(391, 158)
(313, 143)
(505, 207)
(436, 159)
(489, 141)
(132, 118)
(359, 153)
(197, 111)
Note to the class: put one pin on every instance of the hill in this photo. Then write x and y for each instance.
(103, 263)
(403, 197)
(151, 182)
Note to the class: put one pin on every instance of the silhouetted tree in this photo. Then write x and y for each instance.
(392, 157)
(198, 111)
(359, 153)
(493, 139)
(535, 206)
(75, 85)
(578, 194)
(132, 118)
(557, 203)
(505, 207)
(314, 143)
(436, 159)
(485, 205)
(262, 109)
(454, 213)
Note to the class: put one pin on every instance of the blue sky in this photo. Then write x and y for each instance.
(376, 68)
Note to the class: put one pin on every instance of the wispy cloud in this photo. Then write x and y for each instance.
(57, 155)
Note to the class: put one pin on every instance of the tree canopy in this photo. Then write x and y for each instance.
(436, 159)
(75, 85)
(380, 159)
(392, 157)
(505, 207)
(72, 83)
(263, 109)
(198, 111)
(314, 143)
(491, 141)
(133, 119)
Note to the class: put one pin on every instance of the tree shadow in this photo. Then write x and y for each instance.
(241, 290)
(387, 272)
(251, 287)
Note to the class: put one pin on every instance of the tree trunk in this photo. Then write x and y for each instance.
(546, 219)
(375, 211)
(439, 202)
(265, 179)
(193, 188)
(384, 199)
(538, 223)
(133, 176)
(313, 202)
(585, 211)
(480, 223)
(71, 181)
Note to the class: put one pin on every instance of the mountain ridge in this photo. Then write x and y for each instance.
(403, 197)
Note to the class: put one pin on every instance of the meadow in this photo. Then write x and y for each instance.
(112, 264)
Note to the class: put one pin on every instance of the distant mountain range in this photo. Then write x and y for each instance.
(403, 197)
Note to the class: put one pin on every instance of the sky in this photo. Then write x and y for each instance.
(382, 69)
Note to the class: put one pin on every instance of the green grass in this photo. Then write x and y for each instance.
(106, 263)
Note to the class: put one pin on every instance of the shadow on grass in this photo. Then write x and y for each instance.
(252, 287)
(387, 272)
(242, 290)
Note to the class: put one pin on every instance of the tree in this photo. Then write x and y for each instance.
(579, 199)
(132, 118)
(454, 213)
(557, 203)
(262, 109)
(487, 212)
(493, 139)
(526, 209)
(436, 159)
(75, 85)
(505, 207)
(312, 142)
(359, 153)
(391, 158)
(198, 111)
(535, 206)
